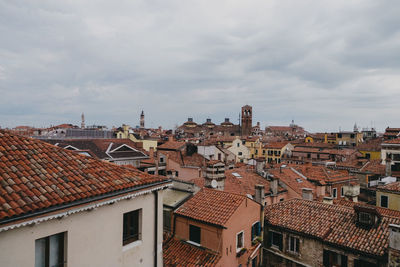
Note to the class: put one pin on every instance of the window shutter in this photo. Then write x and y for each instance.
(258, 228)
(252, 232)
(344, 260)
(269, 239)
(326, 258)
(280, 242)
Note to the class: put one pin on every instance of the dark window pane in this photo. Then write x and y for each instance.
(194, 234)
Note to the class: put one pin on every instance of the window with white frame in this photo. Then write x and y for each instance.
(50, 250)
(239, 241)
(294, 243)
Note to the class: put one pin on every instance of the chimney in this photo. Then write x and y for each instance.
(258, 124)
(274, 186)
(208, 120)
(328, 200)
(226, 119)
(151, 152)
(260, 194)
(260, 164)
(215, 176)
(394, 244)
(388, 170)
(190, 119)
(307, 193)
(351, 192)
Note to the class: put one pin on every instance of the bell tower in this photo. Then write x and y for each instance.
(247, 118)
(142, 120)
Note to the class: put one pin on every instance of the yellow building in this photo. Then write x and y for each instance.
(254, 145)
(127, 133)
(388, 196)
(274, 151)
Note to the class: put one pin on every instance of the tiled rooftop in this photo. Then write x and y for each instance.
(35, 175)
(393, 187)
(180, 253)
(334, 224)
(211, 206)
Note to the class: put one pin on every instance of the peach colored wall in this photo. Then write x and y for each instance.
(219, 239)
(242, 220)
(210, 236)
(185, 174)
(269, 200)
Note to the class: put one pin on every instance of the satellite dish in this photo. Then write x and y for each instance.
(214, 184)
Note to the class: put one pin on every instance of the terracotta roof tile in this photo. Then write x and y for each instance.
(334, 224)
(211, 206)
(393, 187)
(47, 174)
(180, 253)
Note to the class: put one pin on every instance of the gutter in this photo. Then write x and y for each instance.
(155, 227)
(161, 185)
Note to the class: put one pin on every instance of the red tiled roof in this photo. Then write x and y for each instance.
(323, 174)
(246, 184)
(171, 145)
(334, 224)
(211, 206)
(374, 166)
(393, 141)
(35, 175)
(292, 180)
(180, 253)
(276, 145)
(394, 187)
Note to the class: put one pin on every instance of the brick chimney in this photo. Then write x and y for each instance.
(260, 194)
(151, 152)
(307, 193)
(394, 245)
(215, 175)
(260, 164)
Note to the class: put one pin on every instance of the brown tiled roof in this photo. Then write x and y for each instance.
(374, 166)
(276, 145)
(246, 184)
(393, 141)
(171, 145)
(333, 224)
(393, 187)
(35, 175)
(180, 253)
(292, 180)
(211, 206)
(322, 174)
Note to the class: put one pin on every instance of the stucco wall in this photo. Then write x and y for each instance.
(94, 238)
(393, 200)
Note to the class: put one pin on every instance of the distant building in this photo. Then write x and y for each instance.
(247, 120)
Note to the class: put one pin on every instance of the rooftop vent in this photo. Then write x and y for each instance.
(226, 119)
(190, 119)
(237, 175)
(208, 120)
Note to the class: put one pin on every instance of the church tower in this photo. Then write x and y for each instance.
(83, 121)
(142, 120)
(247, 118)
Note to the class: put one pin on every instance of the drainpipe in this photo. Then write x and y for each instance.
(155, 228)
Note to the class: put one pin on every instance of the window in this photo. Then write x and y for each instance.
(238, 144)
(275, 239)
(194, 234)
(342, 191)
(384, 201)
(240, 153)
(334, 192)
(333, 259)
(363, 263)
(255, 230)
(49, 251)
(294, 243)
(365, 217)
(243, 142)
(131, 227)
(254, 262)
(239, 241)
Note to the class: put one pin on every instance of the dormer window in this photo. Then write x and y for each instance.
(365, 218)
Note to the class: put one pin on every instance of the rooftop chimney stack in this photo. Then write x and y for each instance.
(388, 170)
(274, 186)
(328, 200)
(215, 175)
(394, 244)
(260, 194)
(307, 193)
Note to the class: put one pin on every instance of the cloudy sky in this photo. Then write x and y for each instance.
(325, 64)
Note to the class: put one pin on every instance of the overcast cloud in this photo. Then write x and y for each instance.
(325, 64)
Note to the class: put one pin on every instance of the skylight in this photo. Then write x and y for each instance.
(299, 180)
(237, 175)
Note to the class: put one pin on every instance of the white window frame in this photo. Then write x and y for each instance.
(334, 195)
(294, 244)
(237, 248)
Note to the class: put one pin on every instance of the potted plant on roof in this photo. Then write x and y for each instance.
(241, 252)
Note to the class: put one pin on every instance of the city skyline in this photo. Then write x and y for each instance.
(325, 65)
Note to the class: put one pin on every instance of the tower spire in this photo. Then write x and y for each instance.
(83, 121)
